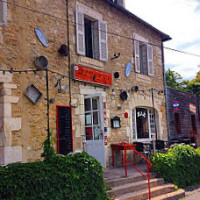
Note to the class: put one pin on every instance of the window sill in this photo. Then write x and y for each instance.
(91, 62)
(143, 78)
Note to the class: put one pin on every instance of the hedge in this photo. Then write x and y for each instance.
(73, 177)
(180, 165)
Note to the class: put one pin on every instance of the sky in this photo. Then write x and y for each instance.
(180, 19)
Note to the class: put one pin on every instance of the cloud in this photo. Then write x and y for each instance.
(179, 19)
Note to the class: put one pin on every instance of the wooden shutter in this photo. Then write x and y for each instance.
(3, 12)
(150, 60)
(137, 55)
(80, 33)
(103, 46)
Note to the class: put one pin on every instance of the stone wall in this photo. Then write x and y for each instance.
(23, 134)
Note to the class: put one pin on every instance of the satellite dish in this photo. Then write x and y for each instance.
(128, 69)
(41, 36)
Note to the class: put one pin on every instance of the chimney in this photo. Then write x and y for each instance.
(120, 2)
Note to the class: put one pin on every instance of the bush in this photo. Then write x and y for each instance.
(72, 177)
(180, 165)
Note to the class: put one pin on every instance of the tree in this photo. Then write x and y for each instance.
(173, 79)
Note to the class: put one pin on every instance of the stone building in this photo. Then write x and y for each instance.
(113, 71)
(183, 114)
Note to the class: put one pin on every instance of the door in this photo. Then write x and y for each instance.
(64, 130)
(94, 127)
(177, 123)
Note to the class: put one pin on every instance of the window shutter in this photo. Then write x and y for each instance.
(3, 13)
(80, 33)
(103, 46)
(137, 55)
(150, 60)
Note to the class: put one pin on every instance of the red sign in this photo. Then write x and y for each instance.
(90, 75)
(192, 108)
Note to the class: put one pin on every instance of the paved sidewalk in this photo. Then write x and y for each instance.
(193, 193)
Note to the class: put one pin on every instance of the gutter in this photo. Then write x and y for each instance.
(165, 93)
(69, 55)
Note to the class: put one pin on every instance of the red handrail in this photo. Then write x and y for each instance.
(149, 164)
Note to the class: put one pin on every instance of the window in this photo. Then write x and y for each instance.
(143, 123)
(91, 37)
(143, 58)
(3, 13)
(93, 119)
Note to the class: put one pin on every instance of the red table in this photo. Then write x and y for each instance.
(119, 147)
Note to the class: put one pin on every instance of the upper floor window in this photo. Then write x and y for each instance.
(91, 37)
(3, 13)
(143, 58)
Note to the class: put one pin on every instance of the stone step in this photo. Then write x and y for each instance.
(126, 180)
(144, 194)
(171, 196)
(135, 186)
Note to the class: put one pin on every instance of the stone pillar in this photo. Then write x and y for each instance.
(8, 153)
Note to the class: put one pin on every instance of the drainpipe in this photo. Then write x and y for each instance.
(69, 55)
(165, 90)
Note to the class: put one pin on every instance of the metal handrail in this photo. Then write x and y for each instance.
(148, 163)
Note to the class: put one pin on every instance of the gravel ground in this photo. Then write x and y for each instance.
(192, 193)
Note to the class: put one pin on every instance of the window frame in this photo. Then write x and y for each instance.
(134, 125)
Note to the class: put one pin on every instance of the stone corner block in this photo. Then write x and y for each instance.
(12, 154)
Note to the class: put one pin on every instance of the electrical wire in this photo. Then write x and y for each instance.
(110, 33)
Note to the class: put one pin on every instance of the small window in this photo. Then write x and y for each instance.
(143, 58)
(3, 13)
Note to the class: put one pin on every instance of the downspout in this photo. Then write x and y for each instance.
(69, 55)
(165, 90)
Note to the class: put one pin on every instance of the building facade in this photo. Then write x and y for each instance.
(113, 70)
(183, 114)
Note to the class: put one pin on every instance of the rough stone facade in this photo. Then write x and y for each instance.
(23, 125)
(185, 113)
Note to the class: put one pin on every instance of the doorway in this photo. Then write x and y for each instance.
(94, 127)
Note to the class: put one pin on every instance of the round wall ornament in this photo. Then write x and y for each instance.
(41, 36)
(128, 69)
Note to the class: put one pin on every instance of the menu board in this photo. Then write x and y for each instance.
(64, 130)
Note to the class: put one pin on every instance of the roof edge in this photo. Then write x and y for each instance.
(164, 36)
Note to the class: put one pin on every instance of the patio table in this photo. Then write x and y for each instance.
(120, 147)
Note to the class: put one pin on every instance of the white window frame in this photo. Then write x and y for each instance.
(94, 16)
(149, 125)
(100, 116)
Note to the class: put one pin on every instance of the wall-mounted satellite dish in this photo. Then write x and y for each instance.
(41, 36)
(128, 69)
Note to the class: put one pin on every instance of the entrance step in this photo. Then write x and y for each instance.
(144, 194)
(126, 180)
(171, 196)
(134, 186)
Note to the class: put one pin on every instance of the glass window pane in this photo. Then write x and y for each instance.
(88, 132)
(95, 103)
(95, 118)
(98, 135)
(88, 119)
(142, 123)
(87, 105)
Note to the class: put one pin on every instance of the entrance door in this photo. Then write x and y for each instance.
(64, 130)
(94, 127)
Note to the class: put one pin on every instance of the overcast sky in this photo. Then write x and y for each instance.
(181, 20)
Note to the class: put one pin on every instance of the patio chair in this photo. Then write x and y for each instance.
(139, 146)
(160, 146)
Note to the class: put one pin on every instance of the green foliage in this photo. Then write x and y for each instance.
(180, 165)
(174, 80)
(48, 147)
(72, 177)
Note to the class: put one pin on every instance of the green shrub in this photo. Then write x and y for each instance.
(180, 165)
(72, 177)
